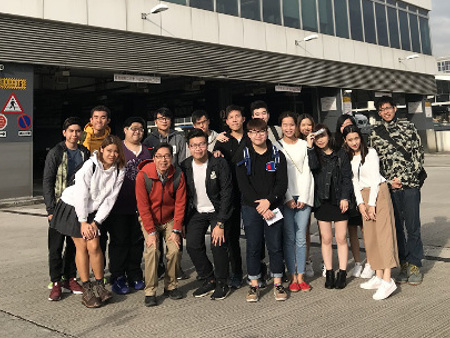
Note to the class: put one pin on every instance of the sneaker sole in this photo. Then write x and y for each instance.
(91, 306)
(413, 283)
(54, 300)
(204, 294)
(280, 299)
(401, 282)
(221, 298)
(64, 290)
(387, 296)
(252, 300)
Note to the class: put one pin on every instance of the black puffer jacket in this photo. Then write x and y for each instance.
(328, 169)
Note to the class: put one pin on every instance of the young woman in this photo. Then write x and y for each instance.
(333, 188)
(375, 204)
(82, 209)
(305, 125)
(299, 200)
(355, 219)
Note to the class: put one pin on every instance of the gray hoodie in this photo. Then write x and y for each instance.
(175, 138)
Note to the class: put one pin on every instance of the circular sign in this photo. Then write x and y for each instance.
(24, 122)
(3, 122)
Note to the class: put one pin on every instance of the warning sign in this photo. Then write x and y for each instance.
(12, 106)
(24, 122)
(3, 121)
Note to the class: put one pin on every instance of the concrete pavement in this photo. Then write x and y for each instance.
(421, 311)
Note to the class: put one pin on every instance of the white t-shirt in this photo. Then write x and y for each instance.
(201, 200)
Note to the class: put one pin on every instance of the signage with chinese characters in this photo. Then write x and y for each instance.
(137, 78)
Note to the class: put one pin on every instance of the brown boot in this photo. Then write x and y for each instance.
(89, 298)
(101, 291)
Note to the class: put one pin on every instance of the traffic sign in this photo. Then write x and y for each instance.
(24, 122)
(12, 106)
(3, 121)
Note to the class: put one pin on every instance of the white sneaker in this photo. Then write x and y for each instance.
(372, 284)
(309, 271)
(357, 270)
(324, 271)
(385, 290)
(367, 272)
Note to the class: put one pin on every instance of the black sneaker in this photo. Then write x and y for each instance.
(207, 288)
(173, 294)
(181, 274)
(221, 291)
(150, 301)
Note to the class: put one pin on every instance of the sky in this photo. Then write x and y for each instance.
(440, 27)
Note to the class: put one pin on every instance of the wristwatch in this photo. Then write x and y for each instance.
(220, 225)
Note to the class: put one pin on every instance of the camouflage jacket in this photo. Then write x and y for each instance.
(392, 162)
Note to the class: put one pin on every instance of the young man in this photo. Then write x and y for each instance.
(60, 165)
(209, 191)
(163, 134)
(259, 110)
(161, 202)
(126, 241)
(401, 154)
(97, 129)
(200, 120)
(262, 178)
(235, 144)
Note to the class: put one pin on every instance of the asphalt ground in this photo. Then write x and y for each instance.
(412, 311)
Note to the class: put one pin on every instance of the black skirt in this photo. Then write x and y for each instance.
(65, 220)
(328, 212)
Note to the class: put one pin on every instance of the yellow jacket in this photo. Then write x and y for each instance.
(92, 142)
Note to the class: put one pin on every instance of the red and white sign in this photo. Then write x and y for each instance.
(12, 106)
(3, 121)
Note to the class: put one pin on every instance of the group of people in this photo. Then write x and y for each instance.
(150, 194)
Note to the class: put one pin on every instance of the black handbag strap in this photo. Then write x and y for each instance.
(383, 133)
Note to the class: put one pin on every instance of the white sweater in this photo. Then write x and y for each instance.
(299, 183)
(94, 190)
(367, 175)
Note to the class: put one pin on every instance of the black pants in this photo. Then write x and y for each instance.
(126, 246)
(232, 237)
(59, 264)
(196, 248)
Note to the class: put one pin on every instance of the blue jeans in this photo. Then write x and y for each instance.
(406, 204)
(256, 231)
(294, 238)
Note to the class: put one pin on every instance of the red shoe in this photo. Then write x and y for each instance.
(305, 287)
(294, 287)
(55, 294)
(72, 285)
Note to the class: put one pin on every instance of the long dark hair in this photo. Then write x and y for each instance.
(362, 146)
(299, 121)
(111, 139)
(340, 121)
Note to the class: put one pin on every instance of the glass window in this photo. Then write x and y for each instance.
(380, 11)
(309, 15)
(181, 2)
(393, 27)
(404, 30)
(203, 4)
(341, 18)
(412, 8)
(369, 21)
(227, 7)
(423, 12)
(401, 4)
(291, 13)
(391, 2)
(326, 17)
(271, 11)
(425, 35)
(250, 9)
(414, 32)
(355, 20)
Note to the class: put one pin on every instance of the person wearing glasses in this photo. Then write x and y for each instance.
(401, 154)
(161, 203)
(164, 134)
(262, 178)
(209, 195)
(126, 243)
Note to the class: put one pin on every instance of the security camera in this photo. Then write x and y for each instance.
(2, 67)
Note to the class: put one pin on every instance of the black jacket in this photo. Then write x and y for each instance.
(55, 177)
(219, 187)
(262, 184)
(327, 169)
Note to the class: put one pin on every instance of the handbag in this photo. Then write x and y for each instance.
(383, 133)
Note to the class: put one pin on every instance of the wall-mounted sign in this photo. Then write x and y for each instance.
(11, 83)
(415, 107)
(24, 122)
(12, 106)
(2, 133)
(3, 121)
(137, 78)
(24, 133)
(291, 89)
(328, 103)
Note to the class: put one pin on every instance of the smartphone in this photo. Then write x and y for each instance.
(319, 132)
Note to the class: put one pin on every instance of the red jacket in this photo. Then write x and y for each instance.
(161, 205)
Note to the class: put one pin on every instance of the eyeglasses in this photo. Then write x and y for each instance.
(163, 119)
(199, 145)
(166, 157)
(257, 132)
(137, 130)
(385, 108)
